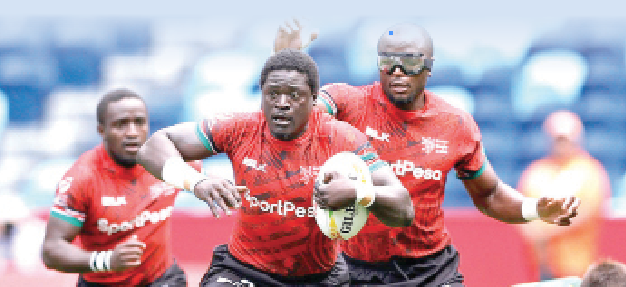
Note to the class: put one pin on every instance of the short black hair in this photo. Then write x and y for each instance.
(110, 97)
(606, 273)
(293, 60)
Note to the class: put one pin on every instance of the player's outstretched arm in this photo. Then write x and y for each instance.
(60, 254)
(392, 203)
(178, 141)
(164, 155)
(500, 201)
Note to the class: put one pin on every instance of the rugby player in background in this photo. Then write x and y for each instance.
(118, 210)
(423, 138)
(276, 154)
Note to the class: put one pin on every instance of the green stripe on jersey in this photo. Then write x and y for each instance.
(376, 165)
(203, 138)
(68, 219)
(328, 106)
(474, 174)
(368, 156)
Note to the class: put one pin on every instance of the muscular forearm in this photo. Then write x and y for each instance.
(178, 141)
(155, 152)
(393, 206)
(65, 257)
(502, 203)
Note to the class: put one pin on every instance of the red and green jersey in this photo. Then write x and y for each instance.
(421, 147)
(276, 231)
(111, 203)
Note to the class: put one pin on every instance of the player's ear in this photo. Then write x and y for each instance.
(101, 130)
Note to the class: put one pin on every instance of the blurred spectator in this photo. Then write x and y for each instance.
(607, 273)
(20, 235)
(567, 171)
(12, 210)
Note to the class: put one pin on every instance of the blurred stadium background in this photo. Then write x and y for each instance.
(509, 72)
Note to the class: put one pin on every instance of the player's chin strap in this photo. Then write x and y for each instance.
(529, 208)
(365, 195)
(181, 175)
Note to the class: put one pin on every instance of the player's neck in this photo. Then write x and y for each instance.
(286, 138)
(122, 163)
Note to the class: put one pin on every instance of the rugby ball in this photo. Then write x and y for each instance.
(347, 222)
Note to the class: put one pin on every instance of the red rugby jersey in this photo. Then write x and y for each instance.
(421, 147)
(110, 204)
(276, 230)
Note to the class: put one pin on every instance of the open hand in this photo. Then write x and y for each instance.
(288, 37)
(558, 211)
(336, 191)
(219, 192)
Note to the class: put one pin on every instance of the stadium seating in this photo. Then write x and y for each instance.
(50, 72)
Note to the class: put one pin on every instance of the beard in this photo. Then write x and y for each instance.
(400, 102)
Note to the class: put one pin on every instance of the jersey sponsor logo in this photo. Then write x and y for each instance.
(113, 201)
(281, 208)
(309, 173)
(145, 217)
(242, 283)
(404, 167)
(374, 134)
(64, 184)
(434, 145)
(252, 163)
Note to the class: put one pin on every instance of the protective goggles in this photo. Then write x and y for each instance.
(410, 64)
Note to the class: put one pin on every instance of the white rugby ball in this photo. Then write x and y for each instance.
(346, 222)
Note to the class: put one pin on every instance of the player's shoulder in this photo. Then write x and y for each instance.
(234, 121)
(91, 159)
(88, 165)
(236, 117)
(446, 111)
(342, 90)
(337, 87)
(441, 106)
(330, 123)
(330, 126)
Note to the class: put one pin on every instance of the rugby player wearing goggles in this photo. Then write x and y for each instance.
(409, 63)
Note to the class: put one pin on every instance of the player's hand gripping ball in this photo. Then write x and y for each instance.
(346, 222)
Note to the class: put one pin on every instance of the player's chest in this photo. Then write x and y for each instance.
(414, 149)
(122, 200)
(279, 173)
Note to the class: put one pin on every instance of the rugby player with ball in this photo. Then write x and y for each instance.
(277, 153)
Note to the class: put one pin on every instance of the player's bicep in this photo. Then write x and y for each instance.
(59, 228)
(484, 184)
(189, 140)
